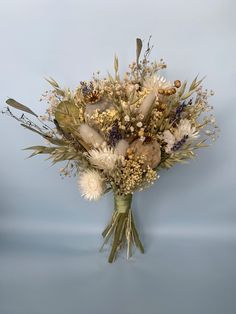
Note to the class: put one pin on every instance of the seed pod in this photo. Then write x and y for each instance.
(150, 151)
(177, 83)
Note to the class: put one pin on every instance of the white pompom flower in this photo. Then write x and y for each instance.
(91, 185)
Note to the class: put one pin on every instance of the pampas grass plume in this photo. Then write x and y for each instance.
(147, 104)
(90, 136)
(121, 147)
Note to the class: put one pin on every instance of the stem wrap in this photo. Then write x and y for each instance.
(122, 202)
(122, 228)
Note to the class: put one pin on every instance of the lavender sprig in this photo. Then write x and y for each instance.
(86, 88)
(114, 135)
(179, 110)
(178, 144)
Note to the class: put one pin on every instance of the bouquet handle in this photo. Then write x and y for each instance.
(122, 228)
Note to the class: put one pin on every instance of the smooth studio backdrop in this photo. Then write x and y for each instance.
(49, 235)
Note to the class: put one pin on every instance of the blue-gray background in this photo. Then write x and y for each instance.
(49, 236)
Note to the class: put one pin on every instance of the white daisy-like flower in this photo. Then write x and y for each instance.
(91, 185)
(185, 129)
(103, 158)
(155, 82)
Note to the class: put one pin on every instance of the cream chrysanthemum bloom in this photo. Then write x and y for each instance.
(91, 185)
(155, 82)
(103, 158)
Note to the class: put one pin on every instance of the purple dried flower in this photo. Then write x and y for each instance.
(114, 135)
(86, 88)
(179, 143)
(180, 109)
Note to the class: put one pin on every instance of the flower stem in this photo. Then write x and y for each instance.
(122, 229)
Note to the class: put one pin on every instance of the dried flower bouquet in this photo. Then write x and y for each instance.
(117, 133)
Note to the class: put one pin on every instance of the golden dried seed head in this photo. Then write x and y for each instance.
(177, 83)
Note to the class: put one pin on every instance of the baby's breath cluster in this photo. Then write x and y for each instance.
(148, 179)
(103, 120)
(130, 175)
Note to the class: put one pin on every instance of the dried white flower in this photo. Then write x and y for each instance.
(104, 158)
(91, 185)
(90, 136)
(185, 129)
(139, 124)
(155, 82)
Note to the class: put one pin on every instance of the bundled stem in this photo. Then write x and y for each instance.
(122, 228)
